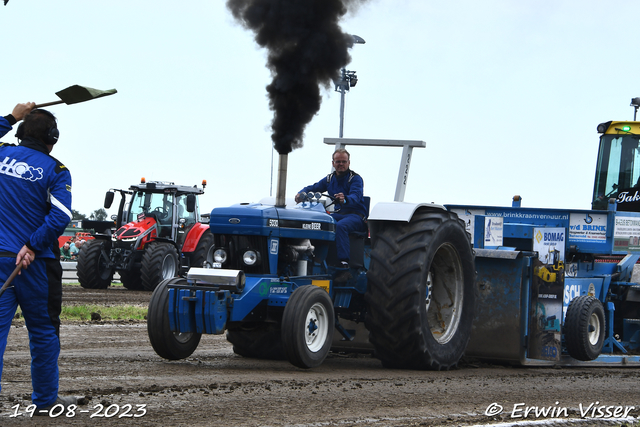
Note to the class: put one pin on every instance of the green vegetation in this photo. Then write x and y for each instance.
(100, 312)
(118, 312)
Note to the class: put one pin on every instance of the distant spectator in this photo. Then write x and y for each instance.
(65, 252)
(75, 249)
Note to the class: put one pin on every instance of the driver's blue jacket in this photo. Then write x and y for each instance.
(351, 214)
(350, 184)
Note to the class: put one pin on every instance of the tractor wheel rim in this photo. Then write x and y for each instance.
(445, 293)
(168, 267)
(594, 329)
(182, 337)
(316, 327)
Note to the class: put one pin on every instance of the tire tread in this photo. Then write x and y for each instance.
(397, 273)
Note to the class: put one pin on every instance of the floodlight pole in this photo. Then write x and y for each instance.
(342, 87)
(347, 80)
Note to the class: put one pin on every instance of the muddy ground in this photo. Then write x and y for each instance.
(113, 367)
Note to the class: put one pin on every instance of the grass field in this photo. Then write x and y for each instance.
(100, 312)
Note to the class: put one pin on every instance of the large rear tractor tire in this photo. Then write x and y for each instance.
(307, 326)
(166, 343)
(584, 328)
(92, 268)
(260, 342)
(159, 262)
(204, 251)
(131, 279)
(420, 291)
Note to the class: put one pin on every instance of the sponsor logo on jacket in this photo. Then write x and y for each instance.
(11, 167)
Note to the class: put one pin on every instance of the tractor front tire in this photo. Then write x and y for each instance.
(260, 342)
(204, 251)
(307, 326)
(159, 262)
(92, 269)
(166, 343)
(584, 328)
(420, 291)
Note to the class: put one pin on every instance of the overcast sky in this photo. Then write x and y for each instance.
(506, 94)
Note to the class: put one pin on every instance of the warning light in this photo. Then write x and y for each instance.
(626, 128)
(204, 183)
(142, 180)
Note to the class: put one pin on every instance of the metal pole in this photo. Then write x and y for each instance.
(342, 91)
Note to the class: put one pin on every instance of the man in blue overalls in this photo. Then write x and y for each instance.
(347, 187)
(35, 208)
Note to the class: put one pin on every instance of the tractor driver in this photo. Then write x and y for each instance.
(347, 188)
(165, 218)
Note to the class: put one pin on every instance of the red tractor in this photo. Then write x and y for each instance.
(158, 236)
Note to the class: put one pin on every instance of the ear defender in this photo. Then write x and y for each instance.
(20, 131)
(52, 136)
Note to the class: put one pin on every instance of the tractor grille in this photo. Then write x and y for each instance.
(236, 246)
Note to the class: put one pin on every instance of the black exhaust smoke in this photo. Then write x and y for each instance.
(306, 49)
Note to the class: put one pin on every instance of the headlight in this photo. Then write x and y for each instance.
(220, 255)
(251, 258)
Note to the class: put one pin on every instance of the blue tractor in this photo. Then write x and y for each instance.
(520, 285)
(272, 286)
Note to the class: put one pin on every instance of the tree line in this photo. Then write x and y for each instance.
(97, 215)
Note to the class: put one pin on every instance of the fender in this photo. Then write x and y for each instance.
(398, 211)
(193, 237)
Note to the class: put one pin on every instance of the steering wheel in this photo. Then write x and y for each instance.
(160, 213)
(330, 197)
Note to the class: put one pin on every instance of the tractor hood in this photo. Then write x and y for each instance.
(301, 222)
(134, 231)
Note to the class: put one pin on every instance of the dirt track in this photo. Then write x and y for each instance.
(113, 365)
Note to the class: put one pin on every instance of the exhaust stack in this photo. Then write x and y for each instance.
(281, 191)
